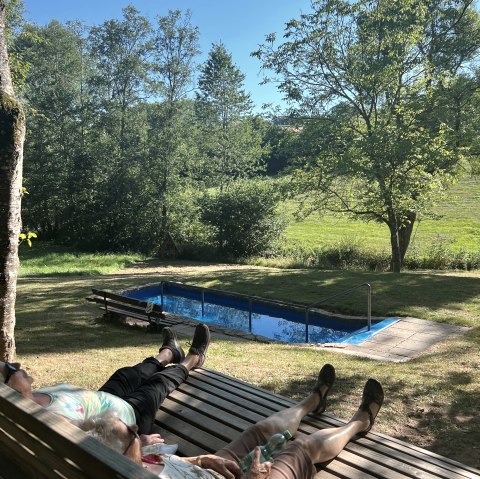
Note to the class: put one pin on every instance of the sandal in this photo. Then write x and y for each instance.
(326, 377)
(372, 394)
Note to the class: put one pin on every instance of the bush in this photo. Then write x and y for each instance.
(350, 255)
(440, 255)
(243, 219)
(346, 254)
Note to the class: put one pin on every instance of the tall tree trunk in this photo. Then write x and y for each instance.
(399, 240)
(395, 260)
(12, 135)
(405, 234)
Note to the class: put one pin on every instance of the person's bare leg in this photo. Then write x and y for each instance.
(328, 443)
(165, 356)
(289, 419)
(191, 361)
(172, 352)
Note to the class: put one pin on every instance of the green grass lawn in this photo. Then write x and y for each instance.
(431, 401)
(45, 259)
(458, 225)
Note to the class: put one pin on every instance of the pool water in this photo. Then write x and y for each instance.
(272, 322)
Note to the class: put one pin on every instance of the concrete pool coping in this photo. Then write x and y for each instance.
(400, 342)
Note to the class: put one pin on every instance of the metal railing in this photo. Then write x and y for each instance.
(313, 306)
(308, 309)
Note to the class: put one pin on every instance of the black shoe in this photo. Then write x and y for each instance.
(170, 342)
(372, 395)
(200, 342)
(326, 377)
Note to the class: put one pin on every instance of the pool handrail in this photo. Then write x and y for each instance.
(343, 293)
(307, 309)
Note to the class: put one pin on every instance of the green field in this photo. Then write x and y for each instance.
(432, 401)
(458, 226)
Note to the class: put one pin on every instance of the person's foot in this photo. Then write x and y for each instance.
(200, 342)
(170, 342)
(326, 378)
(372, 401)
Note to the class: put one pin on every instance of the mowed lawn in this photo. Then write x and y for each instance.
(431, 401)
(457, 225)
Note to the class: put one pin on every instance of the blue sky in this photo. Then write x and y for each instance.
(240, 25)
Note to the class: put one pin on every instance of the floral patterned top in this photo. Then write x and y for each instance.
(76, 403)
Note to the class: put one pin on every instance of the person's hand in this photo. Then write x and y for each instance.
(258, 470)
(148, 439)
(227, 468)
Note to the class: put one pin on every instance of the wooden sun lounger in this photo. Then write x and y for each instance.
(203, 415)
(36, 444)
(210, 409)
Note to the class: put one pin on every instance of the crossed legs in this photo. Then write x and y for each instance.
(146, 385)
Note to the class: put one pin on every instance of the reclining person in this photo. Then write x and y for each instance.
(133, 393)
(295, 461)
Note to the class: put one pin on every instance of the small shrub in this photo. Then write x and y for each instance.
(243, 219)
(440, 255)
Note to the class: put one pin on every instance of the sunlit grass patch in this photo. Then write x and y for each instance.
(46, 259)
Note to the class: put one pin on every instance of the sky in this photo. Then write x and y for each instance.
(240, 24)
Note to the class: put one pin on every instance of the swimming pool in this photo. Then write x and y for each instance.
(276, 320)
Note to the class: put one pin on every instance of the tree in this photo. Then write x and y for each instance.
(169, 158)
(232, 146)
(12, 134)
(370, 76)
(120, 50)
(54, 96)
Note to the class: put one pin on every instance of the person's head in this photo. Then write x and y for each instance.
(19, 380)
(107, 428)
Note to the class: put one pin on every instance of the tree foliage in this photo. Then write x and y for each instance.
(371, 80)
(232, 146)
(115, 146)
(243, 218)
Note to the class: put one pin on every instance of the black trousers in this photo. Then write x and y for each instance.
(145, 386)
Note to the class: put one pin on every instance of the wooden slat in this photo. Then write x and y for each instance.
(188, 432)
(376, 442)
(24, 446)
(206, 412)
(222, 405)
(56, 443)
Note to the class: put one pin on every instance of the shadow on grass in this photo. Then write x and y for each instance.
(414, 294)
(53, 316)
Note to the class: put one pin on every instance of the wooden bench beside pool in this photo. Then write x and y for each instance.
(115, 306)
(201, 416)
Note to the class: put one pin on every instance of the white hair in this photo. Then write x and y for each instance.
(104, 428)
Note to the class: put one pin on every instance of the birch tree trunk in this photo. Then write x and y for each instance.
(12, 135)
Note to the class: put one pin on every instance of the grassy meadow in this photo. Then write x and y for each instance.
(431, 401)
(457, 225)
(43, 259)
